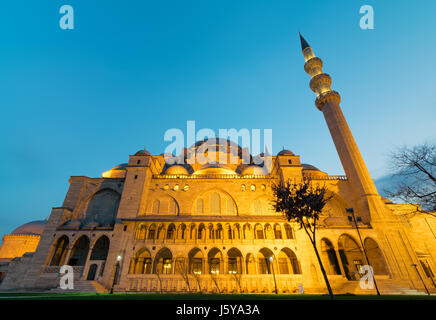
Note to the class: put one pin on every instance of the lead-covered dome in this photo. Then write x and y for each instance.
(285, 152)
(31, 228)
(254, 170)
(176, 170)
(118, 171)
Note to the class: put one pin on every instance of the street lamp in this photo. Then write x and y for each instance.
(353, 218)
(274, 275)
(416, 268)
(117, 269)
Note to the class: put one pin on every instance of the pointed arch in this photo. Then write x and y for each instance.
(100, 249)
(80, 251)
(375, 257)
(60, 251)
(329, 258)
(351, 256)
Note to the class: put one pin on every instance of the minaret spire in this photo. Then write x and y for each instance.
(328, 102)
(304, 43)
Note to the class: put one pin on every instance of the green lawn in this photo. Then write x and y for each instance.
(169, 296)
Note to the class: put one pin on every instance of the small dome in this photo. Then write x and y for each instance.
(31, 228)
(120, 167)
(309, 167)
(285, 152)
(118, 171)
(177, 170)
(254, 170)
(142, 152)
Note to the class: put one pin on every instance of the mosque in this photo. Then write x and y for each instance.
(146, 226)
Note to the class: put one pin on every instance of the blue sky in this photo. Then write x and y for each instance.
(78, 102)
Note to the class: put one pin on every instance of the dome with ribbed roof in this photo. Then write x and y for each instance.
(31, 228)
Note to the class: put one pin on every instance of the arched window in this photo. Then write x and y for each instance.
(234, 261)
(141, 263)
(140, 232)
(277, 231)
(230, 206)
(215, 203)
(182, 231)
(163, 262)
(258, 231)
(211, 232)
(200, 206)
(195, 257)
(201, 231)
(289, 232)
(219, 232)
(156, 207)
(171, 230)
(214, 258)
(152, 232)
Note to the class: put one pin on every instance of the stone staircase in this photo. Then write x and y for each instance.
(83, 286)
(387, 287)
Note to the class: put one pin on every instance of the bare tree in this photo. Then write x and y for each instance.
(214, 277)
(237, 277)
(182, 269)
(197, 278)
(413, 179)
(302, 203)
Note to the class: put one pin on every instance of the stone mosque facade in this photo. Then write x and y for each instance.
(146, 226)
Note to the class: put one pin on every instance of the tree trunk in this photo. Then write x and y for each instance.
(323, 272)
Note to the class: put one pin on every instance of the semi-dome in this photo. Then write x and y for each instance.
(31, 228)
(254, 170)
(285, 152)
(176, 170)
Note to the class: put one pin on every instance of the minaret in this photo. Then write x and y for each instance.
(327, 102)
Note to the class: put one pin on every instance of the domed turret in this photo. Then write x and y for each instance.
(285, 152)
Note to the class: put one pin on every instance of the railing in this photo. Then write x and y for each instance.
(56, 269)
(328, 177)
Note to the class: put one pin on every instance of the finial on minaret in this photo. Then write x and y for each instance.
(304, 43)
